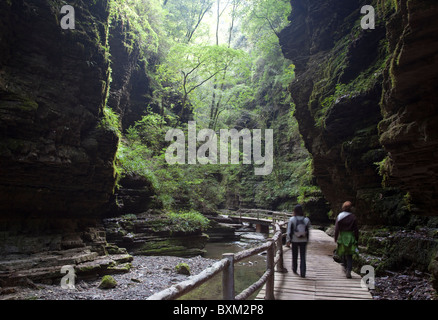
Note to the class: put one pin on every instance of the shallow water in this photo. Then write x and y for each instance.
(246, 272)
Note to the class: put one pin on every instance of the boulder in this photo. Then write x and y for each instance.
(107, 282)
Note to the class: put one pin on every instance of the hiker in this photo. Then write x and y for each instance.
(346, 236)
(298, 235)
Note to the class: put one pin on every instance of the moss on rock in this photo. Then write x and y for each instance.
(182, 268)
(107, 282)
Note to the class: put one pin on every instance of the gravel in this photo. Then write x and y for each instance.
(407, 285)
(148, 275)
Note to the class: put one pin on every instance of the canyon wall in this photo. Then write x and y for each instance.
(365, 104)
(408, 130)
(56, 157)
(56, 150)
(66, 96)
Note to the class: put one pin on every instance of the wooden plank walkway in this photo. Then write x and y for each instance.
(325, 279)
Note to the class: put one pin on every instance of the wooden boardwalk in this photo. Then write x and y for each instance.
(325, 279)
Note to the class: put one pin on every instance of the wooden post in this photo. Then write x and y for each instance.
(270, 255)
(262, 228)
(280, 264)
(228, 278)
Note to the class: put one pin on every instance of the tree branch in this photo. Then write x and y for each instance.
(269, 23)
(204, 81)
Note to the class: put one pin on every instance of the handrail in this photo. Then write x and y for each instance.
(274, 215)
(180, 289)
(274, 257)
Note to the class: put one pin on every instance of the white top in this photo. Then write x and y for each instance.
(343, 215)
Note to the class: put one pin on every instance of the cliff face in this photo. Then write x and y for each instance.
(56, 153)
(59, 140)
(56, 158)
(340, 101)
(409, 103)
(131, 89)
(130, 94)
(366, 107)
(339, 69)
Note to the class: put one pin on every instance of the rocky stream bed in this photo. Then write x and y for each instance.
(148, 275)
(151, 274)
(404, 286)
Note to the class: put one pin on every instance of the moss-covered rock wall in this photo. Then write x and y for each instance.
(56, 157)
(367, 127)
(408, 130)
(366, 106)
(57, 150)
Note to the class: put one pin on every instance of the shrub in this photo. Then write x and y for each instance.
(189, 221)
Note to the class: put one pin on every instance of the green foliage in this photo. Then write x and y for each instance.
(142, 152)
(110, 121)
(143, 20)
(407, 199)
(264, 19)
(218, 85)
(188, 221)
(185, 17)
(189, 67)
(384, 168)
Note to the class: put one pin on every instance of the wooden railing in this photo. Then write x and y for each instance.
(281, 217)
(258, 214)
(274, 257)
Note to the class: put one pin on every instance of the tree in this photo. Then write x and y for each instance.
(215, 107)
(264, 19)
(188, 67)
(185, 17)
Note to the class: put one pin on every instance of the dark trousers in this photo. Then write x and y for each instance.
(348, 262)
(299, 246)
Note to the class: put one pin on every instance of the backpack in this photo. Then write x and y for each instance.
(300, 230)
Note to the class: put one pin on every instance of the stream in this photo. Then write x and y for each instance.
(246, 272)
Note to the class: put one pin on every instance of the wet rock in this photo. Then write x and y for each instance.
(149, 234)
(222, 229)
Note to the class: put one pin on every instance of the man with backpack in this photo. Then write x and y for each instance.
(298, 234)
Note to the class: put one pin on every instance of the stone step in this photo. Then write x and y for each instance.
(46, 268)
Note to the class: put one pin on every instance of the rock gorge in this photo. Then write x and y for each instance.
(366, 106)
(57, 172)
(365, 101)
(58, 145)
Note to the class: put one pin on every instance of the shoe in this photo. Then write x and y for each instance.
(348, 274)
